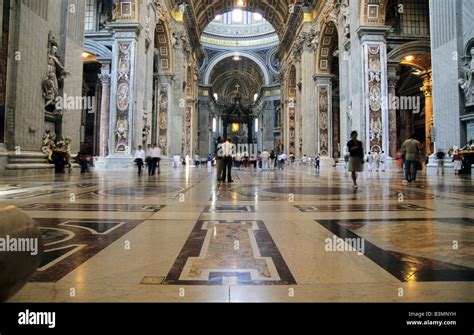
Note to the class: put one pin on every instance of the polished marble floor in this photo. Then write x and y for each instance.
(290, 235)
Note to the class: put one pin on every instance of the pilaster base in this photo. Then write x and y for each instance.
(114, 163)
(341, 165)
(432, 167)
(327, 163)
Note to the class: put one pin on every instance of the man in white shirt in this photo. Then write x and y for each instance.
(282, 160)
(139, 159)
(227, 153)
(155, 160)
(265, 157)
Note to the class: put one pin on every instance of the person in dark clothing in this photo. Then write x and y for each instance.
(83, 161)
(228, 152)
(356, 159)
(219, 158)
(318, 163)
(440, 155)
(59, 158)
(148, 159)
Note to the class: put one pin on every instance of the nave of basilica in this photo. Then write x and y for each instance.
(86, 85)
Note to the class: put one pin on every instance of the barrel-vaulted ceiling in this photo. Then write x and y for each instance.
(277, 12)
(228, 73)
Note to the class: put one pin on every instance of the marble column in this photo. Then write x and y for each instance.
(205, 127)
(427, 90)
(290, 129)
(104, 115)
(374, 51)
(392, 110)
(268, 125)
(324, 114)
(309, 120)
(122, 96)
(163, 88)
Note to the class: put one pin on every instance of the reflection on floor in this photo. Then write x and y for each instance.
(287, 235)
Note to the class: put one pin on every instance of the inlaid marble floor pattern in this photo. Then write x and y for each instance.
(290, 235)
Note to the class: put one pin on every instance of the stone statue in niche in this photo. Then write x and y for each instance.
(312, 38)
(334, 9)
(347, 18)
(105, 13)
(160, 11)
(54, 79)
(467, 80)
(179, 38)
(298, 47)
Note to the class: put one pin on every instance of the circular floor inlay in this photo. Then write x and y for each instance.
(309, 190)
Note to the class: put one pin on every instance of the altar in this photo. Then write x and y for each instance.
(238, 121)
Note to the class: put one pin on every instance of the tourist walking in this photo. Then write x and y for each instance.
(227, 151)
(148, 159)
(317, 163)
(281, 161)
(155, 160)
(440, 155)
(139, 159)
(238, 160)
(265, 160)
(356, 159)
(82, 159)
(411, 150)
(457, 160)
(376, 161)
(272, 160)
(219, 158)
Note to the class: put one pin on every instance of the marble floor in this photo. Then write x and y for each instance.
(292, 235)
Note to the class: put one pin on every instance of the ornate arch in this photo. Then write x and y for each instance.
(373, 12)
(229, 54)
(98, 49)
(420, 49)
(327, 44)
(163, 47)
